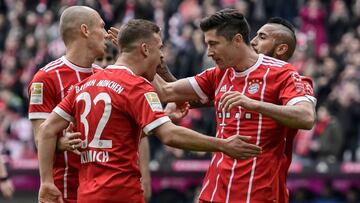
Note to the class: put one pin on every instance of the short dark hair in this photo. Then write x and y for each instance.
(227, 22)
(291, 40)
(135, 30)
(282, 21)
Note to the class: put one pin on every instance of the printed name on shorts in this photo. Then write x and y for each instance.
(37, 89)
(154, 101)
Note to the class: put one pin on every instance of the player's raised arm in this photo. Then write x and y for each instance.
(179, 91)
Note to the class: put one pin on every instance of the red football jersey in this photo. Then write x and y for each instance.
(48, 87)
(257, 179)
(111, 108)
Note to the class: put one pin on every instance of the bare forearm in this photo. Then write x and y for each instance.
(46, 150)
(178, 91)
(3, 171)
(295, 116)
(144, 151)
(36, 125)
(184, 138)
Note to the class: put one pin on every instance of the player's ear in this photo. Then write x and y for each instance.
(144, 49)
(281, 49)
(238, 39)
(84, 30)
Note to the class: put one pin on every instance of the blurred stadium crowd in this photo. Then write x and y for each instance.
(328, 50)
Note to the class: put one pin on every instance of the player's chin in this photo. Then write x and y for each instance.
(220, 64)
(257, 51)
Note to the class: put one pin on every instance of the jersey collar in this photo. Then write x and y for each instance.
(120, 67)
(251, 69)
(75, 67)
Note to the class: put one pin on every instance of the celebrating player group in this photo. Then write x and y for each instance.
(90, 122)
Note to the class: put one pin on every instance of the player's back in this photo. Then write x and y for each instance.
(110, 119)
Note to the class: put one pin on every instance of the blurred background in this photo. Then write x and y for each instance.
(326, 163)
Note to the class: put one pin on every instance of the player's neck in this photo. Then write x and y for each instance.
(129, 62)
(247, 60)
(79, 58)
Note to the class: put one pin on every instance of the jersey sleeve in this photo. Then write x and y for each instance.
(309, 89)
(145, 106)
(65, 107)
(294, 88)
(204, 84)
(42, 96)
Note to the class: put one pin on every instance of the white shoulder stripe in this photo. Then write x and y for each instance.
(54, 67)
(274, 60)
(272, 64)
(51, 64)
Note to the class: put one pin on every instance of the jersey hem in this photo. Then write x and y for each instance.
(156, 123)
(63, 114)
(38, 115)
(203, 98)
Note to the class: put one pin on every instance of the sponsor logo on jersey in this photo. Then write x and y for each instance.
(254, 86)
(154, 101)
(37, 93)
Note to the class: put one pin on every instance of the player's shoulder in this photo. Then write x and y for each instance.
(96, 68)
(126, 75)
(212, 70)
(48, 72)
(275, 63)
(53, 66)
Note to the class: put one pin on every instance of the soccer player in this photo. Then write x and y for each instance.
(111, 108)
(82, 31)
(277, 39)
(109, 58)
(254, 95)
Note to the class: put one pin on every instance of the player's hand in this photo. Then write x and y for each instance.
(7, 188)
(162, 68)
(176, 111)
(113, 32)
(49, 193)
(237, 147)
(233, 99)
(70, 141)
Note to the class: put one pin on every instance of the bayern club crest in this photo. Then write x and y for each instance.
(254, 86)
